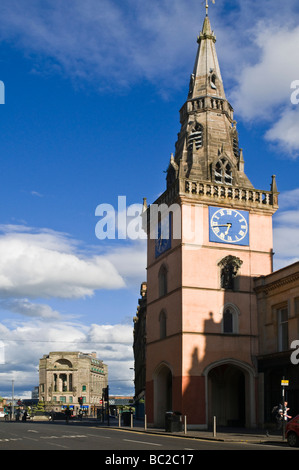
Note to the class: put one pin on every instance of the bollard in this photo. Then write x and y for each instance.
(145, 422)
(119, 420)
(214, 427)
(185, 424)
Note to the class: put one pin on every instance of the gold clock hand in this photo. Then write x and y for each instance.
(228, 227)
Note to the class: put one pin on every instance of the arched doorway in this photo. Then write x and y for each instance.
(162, 394)
(231, 396)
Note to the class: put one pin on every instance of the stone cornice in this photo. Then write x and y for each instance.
(283, 281)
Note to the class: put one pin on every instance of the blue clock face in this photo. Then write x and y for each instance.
(229, 226)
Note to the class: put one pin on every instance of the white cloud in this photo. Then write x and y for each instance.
(43, 263)
(286, 229)
(285, 131)
(130, 261)
(262, 92)
(29, 309)
(266, 84)
(114, 43)
(288, 200)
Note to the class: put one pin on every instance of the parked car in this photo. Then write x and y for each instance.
(292, 432)
(2, 414)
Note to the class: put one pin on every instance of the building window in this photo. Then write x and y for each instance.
(229, 267)
(162, 281)
(223, 172)
(162, 321)
(297, 313)
(196, 137)
(213, 81)
(230, 319)
(236, 147)
(83, 388)
(227, 321)
(283, 329)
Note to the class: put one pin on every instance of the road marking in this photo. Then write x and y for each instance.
(30, 439)
(57, 445)
(64, 436)
(143, 442)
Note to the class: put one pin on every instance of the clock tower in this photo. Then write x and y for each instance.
(201, 327)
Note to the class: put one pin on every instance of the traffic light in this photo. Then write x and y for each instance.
(106, 393)
(80, 400)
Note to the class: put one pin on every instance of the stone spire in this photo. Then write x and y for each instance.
(206, 77)
(207, 148)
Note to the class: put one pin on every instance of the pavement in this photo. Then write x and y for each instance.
(257, 436)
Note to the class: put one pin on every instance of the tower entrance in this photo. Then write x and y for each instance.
(162, 393)
(227, 395)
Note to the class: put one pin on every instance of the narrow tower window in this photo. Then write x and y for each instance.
(228, 178)
(162, 321)
(236, 147)
(213, 81)
(196, 136)
(223, 172)
(162, 279)
(218, 173)
(230, 319)
(227, 321)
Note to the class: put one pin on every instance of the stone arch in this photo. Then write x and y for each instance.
(230, 392)
(162, 379)
(63, 364)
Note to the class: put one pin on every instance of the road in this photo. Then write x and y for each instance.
(76, 436)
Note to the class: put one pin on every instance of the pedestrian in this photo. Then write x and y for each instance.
(67, 415)
(284, 412)
(277, 416)
(18, 412)
(24, 417)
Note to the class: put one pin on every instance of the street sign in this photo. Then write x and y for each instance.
(284, 383)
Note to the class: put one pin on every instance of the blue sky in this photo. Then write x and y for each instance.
(93, 90)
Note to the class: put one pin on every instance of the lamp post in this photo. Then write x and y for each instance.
(12, 399)
(284, 383)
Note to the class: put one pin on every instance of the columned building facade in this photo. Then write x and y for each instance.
(201, 318)
(67, 377)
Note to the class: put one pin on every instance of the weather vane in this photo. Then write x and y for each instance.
(207, 6)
